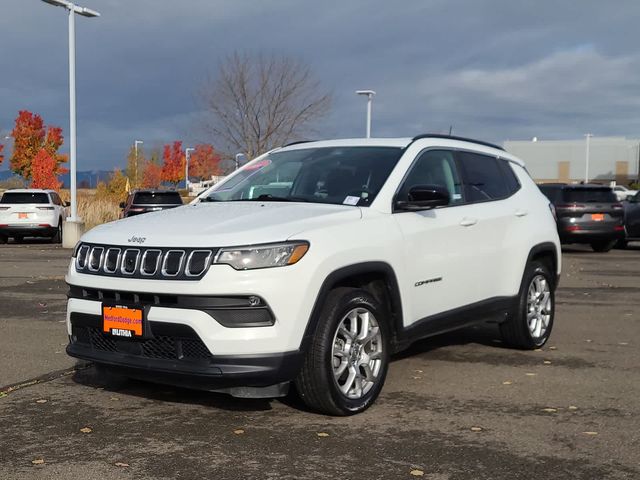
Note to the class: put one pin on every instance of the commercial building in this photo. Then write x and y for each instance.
(610, 159)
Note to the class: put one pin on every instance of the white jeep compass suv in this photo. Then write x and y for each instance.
(313, 264)
(31, 212)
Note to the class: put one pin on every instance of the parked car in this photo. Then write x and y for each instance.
(145, 201)
(313, 264)
(623, 193)
(631, 221)
(31, 213)
(587, 214)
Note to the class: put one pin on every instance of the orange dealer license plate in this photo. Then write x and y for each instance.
(597, 217)
(122, 321)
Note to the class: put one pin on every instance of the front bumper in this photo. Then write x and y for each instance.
(174, 354)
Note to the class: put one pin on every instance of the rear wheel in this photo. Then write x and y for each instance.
(18, 239)
(346, 364)
(57, 238)
(603, 246)
(3, 239)
(622, 244)
(531, 326)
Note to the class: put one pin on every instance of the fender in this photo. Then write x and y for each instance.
(546, 247)
(344, 273)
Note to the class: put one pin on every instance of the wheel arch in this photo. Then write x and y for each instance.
(546, 253)
(378, 278)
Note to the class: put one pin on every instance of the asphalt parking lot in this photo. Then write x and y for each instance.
(454, 407)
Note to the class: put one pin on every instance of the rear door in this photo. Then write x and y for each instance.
(494, 217)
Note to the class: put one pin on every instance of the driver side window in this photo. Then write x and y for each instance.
(434, 167)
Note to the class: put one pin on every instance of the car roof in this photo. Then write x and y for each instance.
(154, 191)
(29, 190)
(404, 142)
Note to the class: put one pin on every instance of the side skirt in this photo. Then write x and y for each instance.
(495, 309)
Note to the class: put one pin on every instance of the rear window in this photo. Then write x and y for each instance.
(157, 198)
(589, 195)
(24, 197)
(552, 193)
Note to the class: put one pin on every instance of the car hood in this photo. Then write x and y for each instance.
(221, 224)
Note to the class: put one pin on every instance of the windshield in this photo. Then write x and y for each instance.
(25, 197)
(338, 175)
(157, 198)
(589, 195)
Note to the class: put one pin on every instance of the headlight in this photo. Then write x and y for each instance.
(262, 256)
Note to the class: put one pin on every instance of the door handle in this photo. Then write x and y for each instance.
(467, 222)
(521, 213)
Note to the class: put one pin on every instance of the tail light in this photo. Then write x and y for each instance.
(573, 228)
(617, 206)
(619, 228)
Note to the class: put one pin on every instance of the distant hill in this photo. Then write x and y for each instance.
(86, 179)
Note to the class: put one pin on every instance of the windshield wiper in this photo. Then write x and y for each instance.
(274, 198)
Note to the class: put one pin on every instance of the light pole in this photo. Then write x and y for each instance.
(187, 151)
(135, 167)
(85, 12)
(369, 94)
(587, 148)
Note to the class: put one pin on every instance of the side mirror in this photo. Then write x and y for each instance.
(424, 197)
(122, 204)
(67, 204)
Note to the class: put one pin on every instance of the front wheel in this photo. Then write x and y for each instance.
(531, 326)
(346, 364)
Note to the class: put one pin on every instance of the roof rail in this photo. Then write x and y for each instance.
(297, 142)
(453, 137)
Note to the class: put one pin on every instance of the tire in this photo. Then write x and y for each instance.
(3, 239)
(57, 238)
(18, 239)
(520, 332)
(603, 246)
(622, 244)
(333, 350)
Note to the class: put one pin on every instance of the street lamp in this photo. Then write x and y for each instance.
(587, 148)
(369, 94)
(85, 12)
(186, 168)
(135, 167)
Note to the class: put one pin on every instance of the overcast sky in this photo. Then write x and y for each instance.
(494, 69)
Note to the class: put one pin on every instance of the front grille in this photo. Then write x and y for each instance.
(165, 347)
(148, 263)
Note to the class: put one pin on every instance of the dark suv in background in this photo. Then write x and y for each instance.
(587, 214)
(145, 201)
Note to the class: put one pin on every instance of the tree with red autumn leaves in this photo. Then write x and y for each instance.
(1, 155)
(41, 168)
(204, 162)
(30, 137)
(151, 175)
(174, 163)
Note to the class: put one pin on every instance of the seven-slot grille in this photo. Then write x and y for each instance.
(139, 262)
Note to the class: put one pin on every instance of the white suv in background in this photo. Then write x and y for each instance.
(314, 263)
(31, 213)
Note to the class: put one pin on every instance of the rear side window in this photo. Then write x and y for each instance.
(554, 194)
(157, 198)
(513, 185)
(589, 195)
(24, 197)
(483, 178)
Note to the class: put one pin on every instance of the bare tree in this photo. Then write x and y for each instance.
(256, 103)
